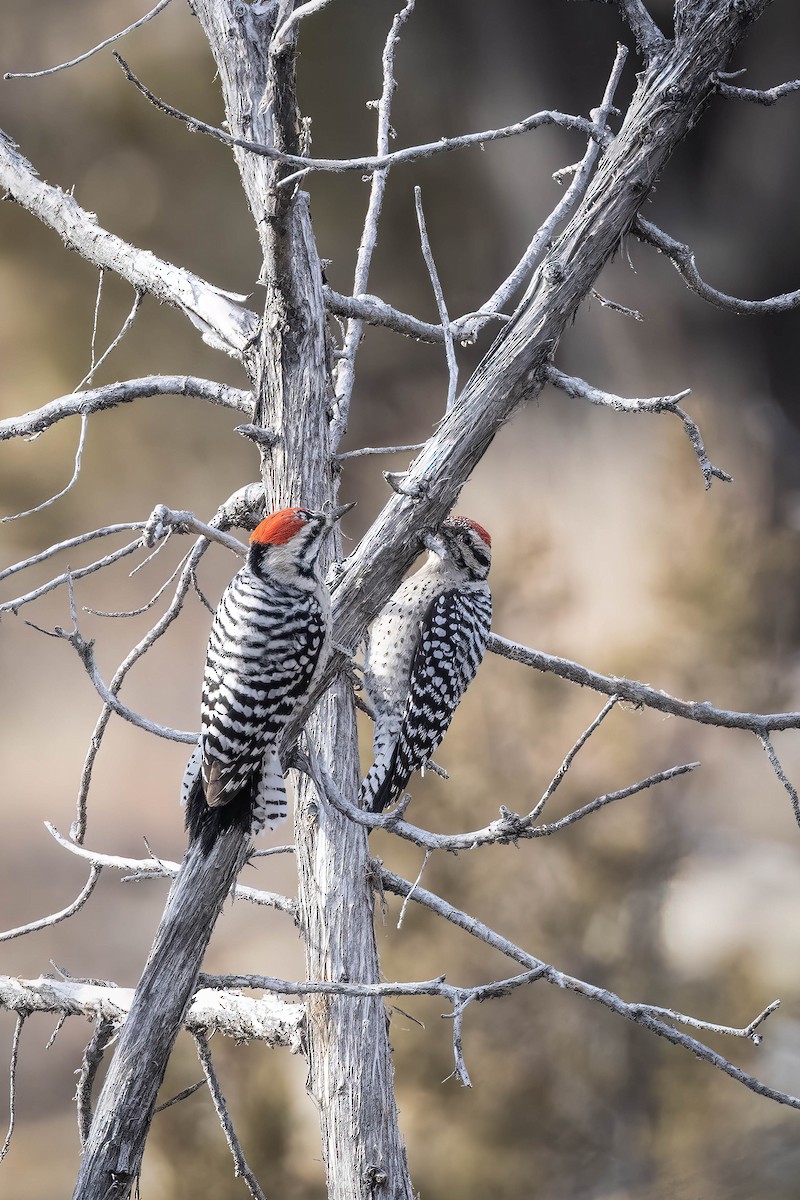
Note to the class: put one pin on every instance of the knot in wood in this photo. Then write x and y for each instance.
(374, 1177)
(676, 94)
(553, 270)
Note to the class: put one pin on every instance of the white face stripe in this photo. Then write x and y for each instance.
(468, 549)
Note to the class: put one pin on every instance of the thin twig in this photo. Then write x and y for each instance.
(402, 916)
(85, 652)
(279, 43)
(241, 1168)
(184, 1095)
(649, 38)
(553, 786)
(613, 306)
(641, 694)
(78, 573)
(766, 742)
(345, 370)
(55, 918)
(100, 277)
(365, 450)
(137, 612)
(12, 1085)
(427, 254)
(104, 1031)
(682, 257)
(749, 1031)
(133, 656)
(468, 327)
(373, 162)
(59, 1026)
(509, 828)
(127, 323)
(609, 798)
(160, 868)
(653, 404)
(639, 1014)
(84, 422)
(767, 97)
(70, 544)
(88, 54)
(73, 480)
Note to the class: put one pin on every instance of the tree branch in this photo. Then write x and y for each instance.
(110, 395)
(56, 918)
(655, 404)
(640, 694)
(104, 1031)
(345, 370)
(682, 257)
(242, 1169)
(224, 324)
(767, 97)
(158, 868)
(545, 234)
(427, 254)
(649, 38)
(12, 1080)
(509, 828)
(781, 775)
(239, 1017)
(375, 162)
(640, 1014)
(73, 62)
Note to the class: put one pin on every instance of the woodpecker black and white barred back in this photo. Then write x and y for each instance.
(269, 638)
(423, 651)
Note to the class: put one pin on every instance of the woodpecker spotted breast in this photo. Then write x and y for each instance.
(423, 651)
(269, 638)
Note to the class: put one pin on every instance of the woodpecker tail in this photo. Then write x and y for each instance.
(204, 824)
(260, 802)
(271, 806)
(379, 787)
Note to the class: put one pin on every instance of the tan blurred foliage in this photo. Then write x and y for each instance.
(607, 550)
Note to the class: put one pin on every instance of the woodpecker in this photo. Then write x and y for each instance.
(269, 638)
(423, 651)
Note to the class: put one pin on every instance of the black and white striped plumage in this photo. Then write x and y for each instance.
(424, 649)
(269, 638)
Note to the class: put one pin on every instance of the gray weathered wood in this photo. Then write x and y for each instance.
(113, 1152)
(350, 1066)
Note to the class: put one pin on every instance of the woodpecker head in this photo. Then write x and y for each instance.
(287, 543)
(464, 548)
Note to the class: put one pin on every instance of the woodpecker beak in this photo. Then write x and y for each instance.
(434, 543)
(336, 514)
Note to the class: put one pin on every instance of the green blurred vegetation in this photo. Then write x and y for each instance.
(607, 550)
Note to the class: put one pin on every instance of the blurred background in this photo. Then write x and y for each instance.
(607, 551)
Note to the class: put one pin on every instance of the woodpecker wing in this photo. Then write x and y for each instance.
(263, 651)
(453, 635)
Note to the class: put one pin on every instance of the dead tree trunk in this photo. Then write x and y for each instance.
(288, 362)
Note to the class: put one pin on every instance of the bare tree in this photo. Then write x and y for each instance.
(301, 379)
